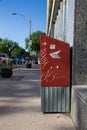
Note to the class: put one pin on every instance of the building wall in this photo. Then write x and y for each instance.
(80, 44)
(70, 25)
(68, 22)
(63, 26)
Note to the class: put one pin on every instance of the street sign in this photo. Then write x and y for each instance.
(30, 42)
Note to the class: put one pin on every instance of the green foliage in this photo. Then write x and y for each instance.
(0, 39)
(35, 37)
(11, 48)
(18, 52)
(6, 46)
(26, 41)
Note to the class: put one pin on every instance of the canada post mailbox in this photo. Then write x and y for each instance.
(55, 62)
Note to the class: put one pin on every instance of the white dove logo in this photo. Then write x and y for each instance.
(55, 54)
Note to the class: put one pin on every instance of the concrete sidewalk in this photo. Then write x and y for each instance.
(20, 104)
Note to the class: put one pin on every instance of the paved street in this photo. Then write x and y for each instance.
(20, 104)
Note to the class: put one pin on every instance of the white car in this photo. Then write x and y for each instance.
(4, 59)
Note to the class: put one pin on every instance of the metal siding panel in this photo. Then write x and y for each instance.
(59, 99)
(50, 99)
(63, 98)
(42, 99)
(68, 99)
(45, 99)
(54, 99)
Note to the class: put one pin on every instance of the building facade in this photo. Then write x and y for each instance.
(67, 21)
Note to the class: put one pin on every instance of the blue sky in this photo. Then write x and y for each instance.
(16, 28)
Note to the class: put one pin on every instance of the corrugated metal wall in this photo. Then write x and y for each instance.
(55, 99)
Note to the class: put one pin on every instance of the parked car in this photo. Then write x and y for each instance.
(18, 60)
(4, 59)
(21, 60)
(14, 60)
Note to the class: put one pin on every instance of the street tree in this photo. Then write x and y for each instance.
(6, 46)
(0, 39)
(35, 38)
(19, 51)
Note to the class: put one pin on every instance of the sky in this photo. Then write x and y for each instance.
(17, 27)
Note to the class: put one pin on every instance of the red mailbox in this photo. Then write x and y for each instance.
(55, 62)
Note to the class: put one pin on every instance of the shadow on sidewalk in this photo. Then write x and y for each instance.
(24, 86)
